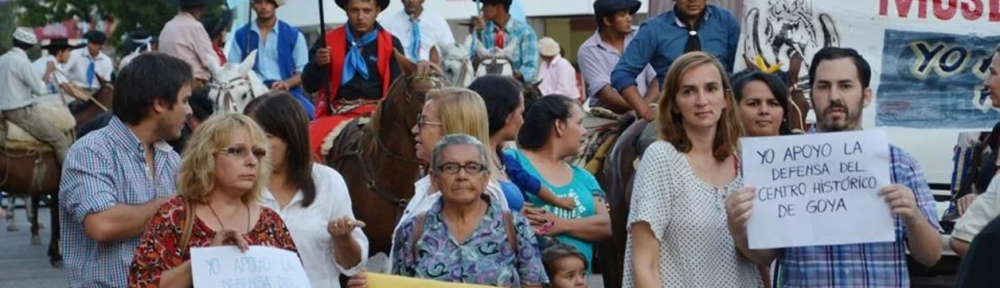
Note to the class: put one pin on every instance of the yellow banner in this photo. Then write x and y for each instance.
(376, 280)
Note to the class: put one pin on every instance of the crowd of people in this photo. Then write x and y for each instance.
(486, 212)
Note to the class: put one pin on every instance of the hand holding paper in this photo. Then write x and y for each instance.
(739, 208)
(228, 237)
(901, 201)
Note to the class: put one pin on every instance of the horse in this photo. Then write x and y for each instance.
(376, 155)
(234, 85)
(21, 150)
(459, 69)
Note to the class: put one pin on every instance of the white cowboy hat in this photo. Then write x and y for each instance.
(548, 47)
(25, 35)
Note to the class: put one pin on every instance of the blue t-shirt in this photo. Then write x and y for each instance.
(582, 187)
(515, 198)
(520, 177)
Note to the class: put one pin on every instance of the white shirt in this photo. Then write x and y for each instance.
(308, 227)
(18, 81)
(979, 214)
(127, 59)
(423, 201)
(434, 31)
(79, 62)
(40, 65)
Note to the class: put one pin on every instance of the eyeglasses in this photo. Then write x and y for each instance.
(422, 121)
(452, 168)
(243, 152)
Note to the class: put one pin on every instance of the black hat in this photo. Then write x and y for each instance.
(504, 2)
(60, 43)
(192, 3)
(381, 3)
(215, 24)
(611, 6)
(96, 37)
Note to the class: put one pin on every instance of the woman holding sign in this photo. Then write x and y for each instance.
(677, 222)
(222, 172)
(312, 197)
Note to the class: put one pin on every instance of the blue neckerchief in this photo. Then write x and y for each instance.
(415, 39)
(91, 73)
(354, 62)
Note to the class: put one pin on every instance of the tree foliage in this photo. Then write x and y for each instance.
(128, 15)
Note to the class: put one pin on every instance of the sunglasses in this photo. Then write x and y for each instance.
(422, 121)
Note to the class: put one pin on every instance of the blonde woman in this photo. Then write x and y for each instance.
(222, 172)
(677, 225)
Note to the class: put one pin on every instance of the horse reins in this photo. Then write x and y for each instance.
(225, 90)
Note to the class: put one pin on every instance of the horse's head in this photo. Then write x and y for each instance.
(457, 64)
(531, 93)
(495, 61)
(234, 85)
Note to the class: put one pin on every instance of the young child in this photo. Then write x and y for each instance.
(529, 184)
(565, 266)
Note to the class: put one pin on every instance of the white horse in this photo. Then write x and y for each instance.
(459, 69)
(234, 85)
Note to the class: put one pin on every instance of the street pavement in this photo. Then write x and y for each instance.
(23, 265)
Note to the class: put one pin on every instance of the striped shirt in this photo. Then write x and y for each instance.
(862, 265)
(103, 169)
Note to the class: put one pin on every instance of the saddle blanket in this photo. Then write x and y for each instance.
(54, 110)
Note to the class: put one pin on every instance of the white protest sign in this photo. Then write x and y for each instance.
(818, 189)
(260, 266)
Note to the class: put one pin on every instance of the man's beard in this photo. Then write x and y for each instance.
(849, 118)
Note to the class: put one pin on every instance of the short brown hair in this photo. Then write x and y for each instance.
(671, 122)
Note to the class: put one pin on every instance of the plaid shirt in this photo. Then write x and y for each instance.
(103, 169)
(862, 265)
(526, 55)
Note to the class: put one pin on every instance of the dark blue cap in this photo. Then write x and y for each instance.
(611, 6)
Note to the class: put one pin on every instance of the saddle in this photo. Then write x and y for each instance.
(602, 131)
(351, 142)
(57, 114)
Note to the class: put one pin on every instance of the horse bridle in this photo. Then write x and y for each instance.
(365, 169)
(465, 71)
(225, 90)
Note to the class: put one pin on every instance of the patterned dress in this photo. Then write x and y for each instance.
(158, 250)
(484, 258)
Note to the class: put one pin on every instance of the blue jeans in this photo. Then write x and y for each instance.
(299, 95)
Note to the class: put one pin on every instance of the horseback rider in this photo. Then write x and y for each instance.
(89, 67)
(58, 55)
(185, 38)
(496, 28)
(693, 26)
(281, 51)
(218, 30)
(599, 54)
(357, 61)
(422, 32)
(18, 84)
(140, 42)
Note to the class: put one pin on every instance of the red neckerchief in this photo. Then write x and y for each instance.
(498, 39)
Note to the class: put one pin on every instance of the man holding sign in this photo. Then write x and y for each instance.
(840, 81)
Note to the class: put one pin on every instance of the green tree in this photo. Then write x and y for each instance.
(6, 26)
(127, 15)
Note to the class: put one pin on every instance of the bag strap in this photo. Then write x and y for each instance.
(418, 231)
(188, 228)
(508, 223)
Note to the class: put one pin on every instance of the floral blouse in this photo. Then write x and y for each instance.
(158, 249)
(485, 257)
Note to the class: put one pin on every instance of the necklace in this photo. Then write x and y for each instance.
(499, 165)
(220, 219)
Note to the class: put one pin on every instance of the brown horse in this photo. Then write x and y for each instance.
(42, 179)
(619, 168)
(378, 160)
